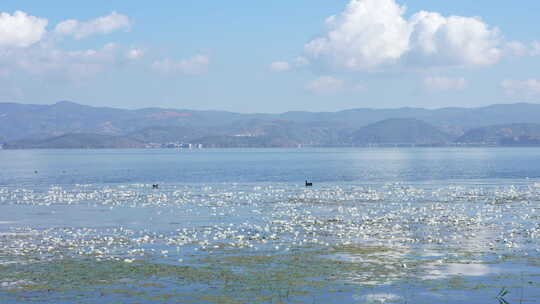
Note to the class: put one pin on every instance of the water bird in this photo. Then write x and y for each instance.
(155, 186)
(309, 184)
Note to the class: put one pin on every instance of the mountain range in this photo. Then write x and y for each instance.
(70, 125)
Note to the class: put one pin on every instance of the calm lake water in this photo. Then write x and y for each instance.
(443, 225)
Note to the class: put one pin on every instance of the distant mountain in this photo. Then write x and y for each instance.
(400, 131)
(309, 133)
(510, 134)
(77, 141)
(30, 125)
(454, 121)
(19, 121)
(163, 134)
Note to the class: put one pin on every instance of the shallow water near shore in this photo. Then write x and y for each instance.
(238, 226)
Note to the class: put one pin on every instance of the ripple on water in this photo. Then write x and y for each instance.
(365, 235)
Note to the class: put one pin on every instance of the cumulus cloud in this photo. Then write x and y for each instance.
(21, 29)
(445, 83)
(454, 40)
(134, 54)
(520, 49)
(325, 84)
(283, 66)
(517, 48)
(192, 66)
(102, 25)
(280, 66)
(526, 89)
(535, 48)
(370, 34)
(27, 46)
(45, 59)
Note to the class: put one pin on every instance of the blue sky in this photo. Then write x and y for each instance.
(270, 56)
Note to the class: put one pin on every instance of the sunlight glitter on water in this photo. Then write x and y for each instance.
(368, 235)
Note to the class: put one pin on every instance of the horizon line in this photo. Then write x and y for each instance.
(267, 113)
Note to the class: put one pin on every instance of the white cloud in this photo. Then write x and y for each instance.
(53, 61)
(50, 62)
(134, 54)
(283, 66)
(526, 89)
(516, 48)
(535, 48)
(102, 25)
(21, 29)
(445, 83)
(370, 34)
(454, 40)
(280, 66)
(325, 84)
(192, 66)
(26, 46)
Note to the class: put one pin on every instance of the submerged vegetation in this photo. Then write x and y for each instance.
(280, 243)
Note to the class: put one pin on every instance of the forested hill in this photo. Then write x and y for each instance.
(68, 125)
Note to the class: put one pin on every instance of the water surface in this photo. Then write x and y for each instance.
(425, 225)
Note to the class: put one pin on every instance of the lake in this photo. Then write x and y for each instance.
(404, 225)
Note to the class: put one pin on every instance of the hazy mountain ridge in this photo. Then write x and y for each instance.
(77, 141)
(407, 131)
(46, 126)
(508, 134)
